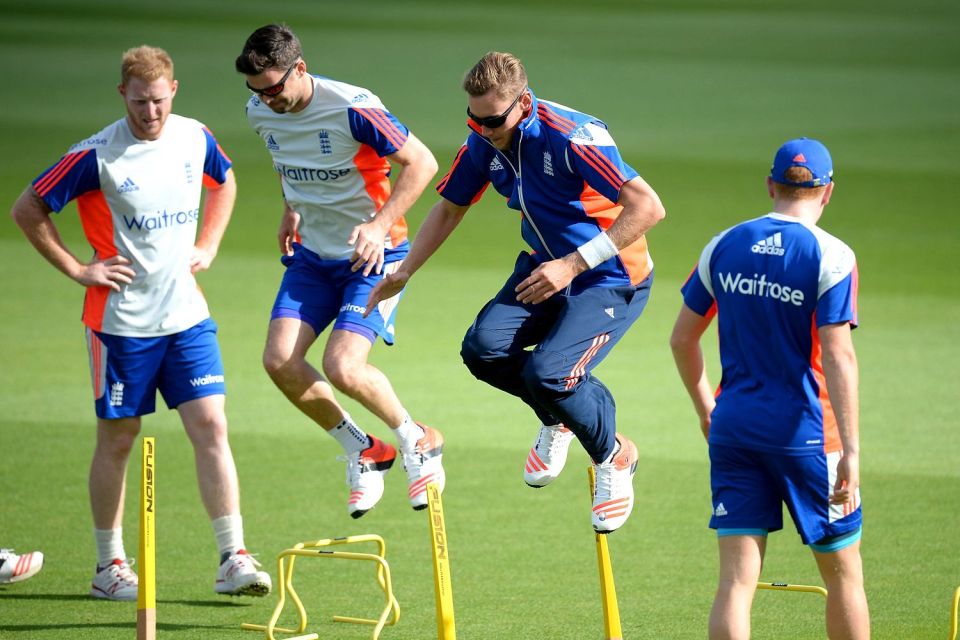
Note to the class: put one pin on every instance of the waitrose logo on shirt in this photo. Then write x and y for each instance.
(161, 220)
(759, 286)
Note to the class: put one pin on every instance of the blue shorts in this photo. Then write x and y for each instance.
(319, 291)
(750, 487)
(128, 372)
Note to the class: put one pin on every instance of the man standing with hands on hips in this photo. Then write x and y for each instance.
(138, 185)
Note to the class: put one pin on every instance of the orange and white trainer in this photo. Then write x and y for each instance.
(613, 493)
(365, 471)
(547, 455)
(424, 465)
(16, 567)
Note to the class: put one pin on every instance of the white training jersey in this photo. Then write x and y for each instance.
(141, 199)
(331, 160)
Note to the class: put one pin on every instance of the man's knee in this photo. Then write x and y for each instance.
(116, 441)
(477, 350)
(543, 379)
(342, 373)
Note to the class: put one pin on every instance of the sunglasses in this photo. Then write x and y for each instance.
(495, 122)
(274, 89)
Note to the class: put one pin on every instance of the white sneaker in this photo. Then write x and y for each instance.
(365, 471)
(17, 568)
(423, 465)
(238, 576)
(613, 494)
(116, 581)
(547, 455)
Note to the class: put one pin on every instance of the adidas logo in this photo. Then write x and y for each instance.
(581, 133)
(495, 164)
(609, 311)
(128, 186)
(272, 143)
(720, 511)
(772, 246)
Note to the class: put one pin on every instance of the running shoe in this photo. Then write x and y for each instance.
(116, 581)
(18, 567)
(613, 493)
(365, 471)
(238, 576)
(547, 455)
(423, 465)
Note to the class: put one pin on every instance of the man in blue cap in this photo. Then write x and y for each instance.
(783, 426)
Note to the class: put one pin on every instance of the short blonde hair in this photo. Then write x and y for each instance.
(147, 63)
(499, 72)
(790, 192)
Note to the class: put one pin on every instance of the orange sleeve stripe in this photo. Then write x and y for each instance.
(456, 161)
(564, 127)
(546, 111)
(389, 127)
(219, 148)
(556, 126)
(59, 170)
(601, 170)
(606, 162)
(380, 121)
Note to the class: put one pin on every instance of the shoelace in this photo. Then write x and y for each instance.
(556, 441)
(125, 572)
(610, 481)
(353, 466)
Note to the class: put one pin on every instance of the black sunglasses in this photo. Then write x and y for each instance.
(274, 89)
(495, 122)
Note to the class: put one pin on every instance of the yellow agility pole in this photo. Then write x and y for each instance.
(147, 589)
(953, 614)
(608, 589)
(783, 586)
(442, 583)
(285, 564)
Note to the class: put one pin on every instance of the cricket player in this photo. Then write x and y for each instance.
(582, 285)
(138, 184)
(784, 425)
(341, 229)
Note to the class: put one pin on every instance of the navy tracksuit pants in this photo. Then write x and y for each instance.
(570, 335)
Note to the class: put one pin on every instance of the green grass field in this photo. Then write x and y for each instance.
(698, 94)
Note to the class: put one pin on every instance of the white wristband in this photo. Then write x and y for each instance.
(598, 250)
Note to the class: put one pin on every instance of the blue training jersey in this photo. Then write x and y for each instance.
(773, 282)
(563, 173)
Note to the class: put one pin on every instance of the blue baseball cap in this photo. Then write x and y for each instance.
(803, 152)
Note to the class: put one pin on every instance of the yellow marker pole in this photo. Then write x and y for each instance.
(608, 590)
(146, 592)
(953, 614)
(442, 585)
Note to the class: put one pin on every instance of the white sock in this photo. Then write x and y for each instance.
(352, 438)
(109, 546)
(408, 433)
(229, 532)
(616, 450)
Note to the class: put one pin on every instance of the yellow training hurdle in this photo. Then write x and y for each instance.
(783, 586)
(317, 549)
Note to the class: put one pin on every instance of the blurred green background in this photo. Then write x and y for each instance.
(698, 95)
